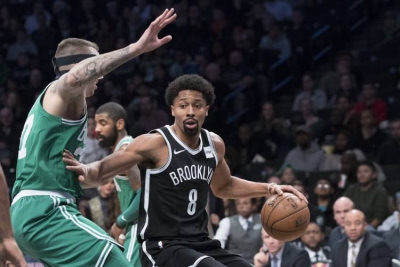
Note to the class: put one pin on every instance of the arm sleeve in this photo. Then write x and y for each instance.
(131, 214)
(222, 233)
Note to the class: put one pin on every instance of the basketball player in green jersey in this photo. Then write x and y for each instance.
(110, 131)
(46, 221)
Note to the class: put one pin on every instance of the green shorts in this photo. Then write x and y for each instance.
(132, 246)
(51, 229)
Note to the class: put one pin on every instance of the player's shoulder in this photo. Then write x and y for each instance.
(217, 140)
(148, 141)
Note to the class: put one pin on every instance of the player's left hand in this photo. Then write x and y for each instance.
(9, 251)
(274, 188)
(116, 232)
(149, 41)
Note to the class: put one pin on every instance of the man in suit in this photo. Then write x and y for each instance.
(312, 241)
(275, 253)
(360, 248)
(340, 208)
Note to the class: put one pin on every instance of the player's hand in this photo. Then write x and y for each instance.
(149, 41)
(116, 232)
(74, 165)
(273, 188)
(9, 251)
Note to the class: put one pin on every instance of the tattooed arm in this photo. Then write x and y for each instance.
(66, 96)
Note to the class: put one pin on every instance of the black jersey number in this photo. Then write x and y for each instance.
(192, 202)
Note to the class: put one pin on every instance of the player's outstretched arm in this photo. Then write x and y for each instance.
(224, 185)
(141, 149)
(9, 250)
(89, 70)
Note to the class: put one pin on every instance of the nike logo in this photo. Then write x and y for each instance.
(177, 152)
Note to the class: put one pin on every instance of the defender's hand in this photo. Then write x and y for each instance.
(74, 165)
(149, 41)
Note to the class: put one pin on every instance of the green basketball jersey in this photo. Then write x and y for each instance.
(42, 142)
(122, 184)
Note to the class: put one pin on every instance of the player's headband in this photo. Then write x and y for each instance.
(67, 60)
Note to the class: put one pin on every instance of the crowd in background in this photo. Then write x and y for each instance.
(334, 119)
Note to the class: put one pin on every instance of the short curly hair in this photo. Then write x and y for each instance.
(190, 82)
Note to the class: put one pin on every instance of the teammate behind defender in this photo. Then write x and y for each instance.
(110, 131)
(46, 221)
(178, 165)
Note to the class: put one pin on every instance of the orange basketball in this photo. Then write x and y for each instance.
(285, 217)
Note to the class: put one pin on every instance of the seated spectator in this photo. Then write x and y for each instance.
(309, 118)
(308, 90)
(241, 233)
(276, 40)
(341, 207)
(369, 195)
(386, 31)
(324, 197)
(312, 240)
(360, 248)
(288, 175)
(280, 10)
(389, 231)
(351, 121)
(389, 152)
(307, 155)
(370, 100)
(23, 44)
(330, 81)
(280, 254)
(391, 222)
(151, 117)
(369, 137)
(347, 88)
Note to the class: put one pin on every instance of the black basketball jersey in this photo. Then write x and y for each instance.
(174, 197)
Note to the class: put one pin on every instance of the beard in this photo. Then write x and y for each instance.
(190, 131)
(110, 140)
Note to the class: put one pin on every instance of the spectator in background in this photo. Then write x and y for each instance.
(281, 10)
(370, 100)
(330, 81)
(369, 138)
(389, 152)
(346, 88)
(307, 155)
(309, 118)
(280, 253)
(276, 40)
(312, 240)
(23, 44)
(151, 117)
(308, 90)
(369, 195)
(14, 102)
(324, 197)
(10, 132)
(287, 175)
(241, 233)
(345, 106)
(359, 248)
(32, 22)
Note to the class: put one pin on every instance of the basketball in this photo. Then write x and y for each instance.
(285, 217)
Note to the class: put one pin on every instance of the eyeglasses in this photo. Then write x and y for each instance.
(326, 186)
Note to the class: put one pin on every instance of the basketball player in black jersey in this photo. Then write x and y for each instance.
(179, 163)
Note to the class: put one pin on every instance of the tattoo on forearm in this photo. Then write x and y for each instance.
(99, 66)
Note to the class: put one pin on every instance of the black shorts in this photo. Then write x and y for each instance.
(176, 253)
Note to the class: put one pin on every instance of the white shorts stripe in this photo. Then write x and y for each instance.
(132, 242)
(198, 261)
(104, 255)
(148, 254)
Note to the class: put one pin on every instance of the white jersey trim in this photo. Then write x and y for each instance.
(198, 261)
(188, 149)
(213, 147)
(148, 254)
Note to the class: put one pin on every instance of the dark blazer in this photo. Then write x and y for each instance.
(374, 252)
(336, 234)
(293, 256)
(392, 238)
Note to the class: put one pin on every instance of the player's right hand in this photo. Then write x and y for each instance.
(9, 251)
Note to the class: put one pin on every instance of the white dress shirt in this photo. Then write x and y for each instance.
(311, 254)
(224, 228)
(357, 249)
(278, 256)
